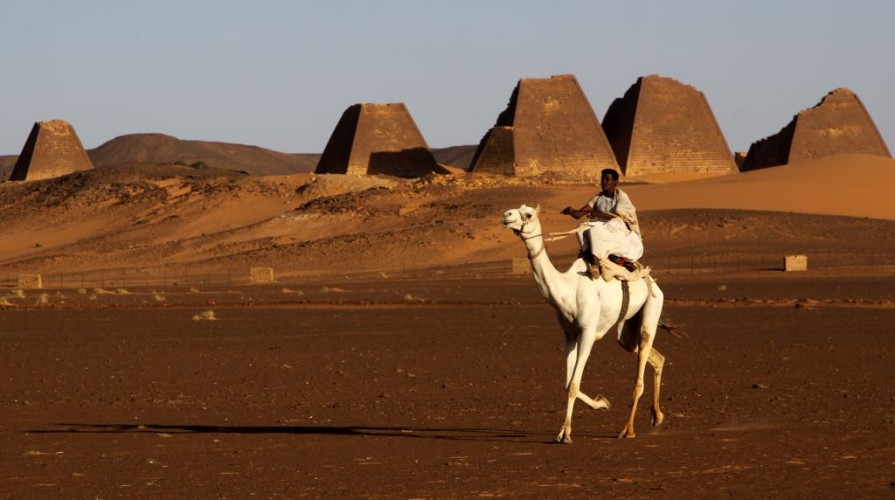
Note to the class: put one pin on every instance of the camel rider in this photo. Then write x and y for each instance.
(612, 230)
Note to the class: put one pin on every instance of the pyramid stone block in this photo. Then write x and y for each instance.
(377, 139)
(53, 149)
(548, 127)
(662, 125)
(838, 124)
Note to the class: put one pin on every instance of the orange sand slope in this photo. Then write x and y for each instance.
(851, 185)
(149, 217)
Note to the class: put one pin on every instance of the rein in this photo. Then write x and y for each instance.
(526, 238)
(550, 237)
(539, 252)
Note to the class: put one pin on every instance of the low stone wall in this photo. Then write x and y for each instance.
(261, 275)
(795, 263)
(30, 281)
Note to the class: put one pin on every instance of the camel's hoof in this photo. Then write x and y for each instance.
(563, 440)
(657, 420)
(626, 434)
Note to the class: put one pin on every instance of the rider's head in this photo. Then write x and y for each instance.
(608, 180)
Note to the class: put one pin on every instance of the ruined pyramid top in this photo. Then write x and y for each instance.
(377, 139)
(662, 125)
(548, 127)
(838, 124)
(53, 149)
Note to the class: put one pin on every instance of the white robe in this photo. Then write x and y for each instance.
(612, 236)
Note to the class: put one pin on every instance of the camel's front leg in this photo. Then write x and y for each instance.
(577, 361)
(646, 345)
(571, 347)
(571, 350)
(600, 403)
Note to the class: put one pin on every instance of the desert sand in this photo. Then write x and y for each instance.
(399, 355)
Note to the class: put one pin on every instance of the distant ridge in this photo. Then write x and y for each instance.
(139, 148)
(165, 149)
(455, 156)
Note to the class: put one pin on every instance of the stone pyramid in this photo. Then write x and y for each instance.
(839, 123)
(548, 127)
(53, 149)
(377, 139)
(662, 125)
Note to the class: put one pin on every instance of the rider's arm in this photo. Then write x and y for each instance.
(579, 213)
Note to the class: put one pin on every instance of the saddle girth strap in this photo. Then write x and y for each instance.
(626, 296)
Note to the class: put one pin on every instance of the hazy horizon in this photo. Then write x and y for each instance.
(279, 74)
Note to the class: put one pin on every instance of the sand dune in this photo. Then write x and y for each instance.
(851, 185)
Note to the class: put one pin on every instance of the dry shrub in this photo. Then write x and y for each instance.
(18, 294)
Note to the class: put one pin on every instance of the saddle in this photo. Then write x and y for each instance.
(615, 267)
(621, 261)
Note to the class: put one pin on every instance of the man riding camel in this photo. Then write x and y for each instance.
(612, 231)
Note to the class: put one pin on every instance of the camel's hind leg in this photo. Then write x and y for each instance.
(643, 354)
(652, 309)
(657, 361)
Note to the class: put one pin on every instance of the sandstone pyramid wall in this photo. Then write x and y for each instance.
(548, 127)
(53, 149)
(377, 139)
(662, 125)
(496, 154)
(838, 124)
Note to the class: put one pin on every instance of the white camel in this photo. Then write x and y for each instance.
(587, 309)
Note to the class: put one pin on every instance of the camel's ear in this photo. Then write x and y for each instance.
(538, 209)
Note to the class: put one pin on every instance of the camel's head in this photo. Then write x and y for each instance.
(522, 220)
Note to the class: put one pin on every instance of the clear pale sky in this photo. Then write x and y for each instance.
(279, 74)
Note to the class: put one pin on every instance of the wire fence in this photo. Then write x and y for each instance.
(129, 278)
(196, 276)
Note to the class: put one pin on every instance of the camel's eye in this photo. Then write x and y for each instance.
(528, 216)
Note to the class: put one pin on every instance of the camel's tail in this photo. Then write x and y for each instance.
(674, 330)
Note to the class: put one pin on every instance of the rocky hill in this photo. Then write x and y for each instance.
(165, 149)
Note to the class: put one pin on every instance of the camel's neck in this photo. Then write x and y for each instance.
(546, 275)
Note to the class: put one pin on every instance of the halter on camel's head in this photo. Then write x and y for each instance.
(523, 221)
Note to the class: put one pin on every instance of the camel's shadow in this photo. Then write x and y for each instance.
(458, 434)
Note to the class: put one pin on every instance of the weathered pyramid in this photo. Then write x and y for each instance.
(52, 150)
(377, 139)
(548, 127)
(839, 123)
(662, 125)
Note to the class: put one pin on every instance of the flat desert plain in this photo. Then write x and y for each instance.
(399, 354)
